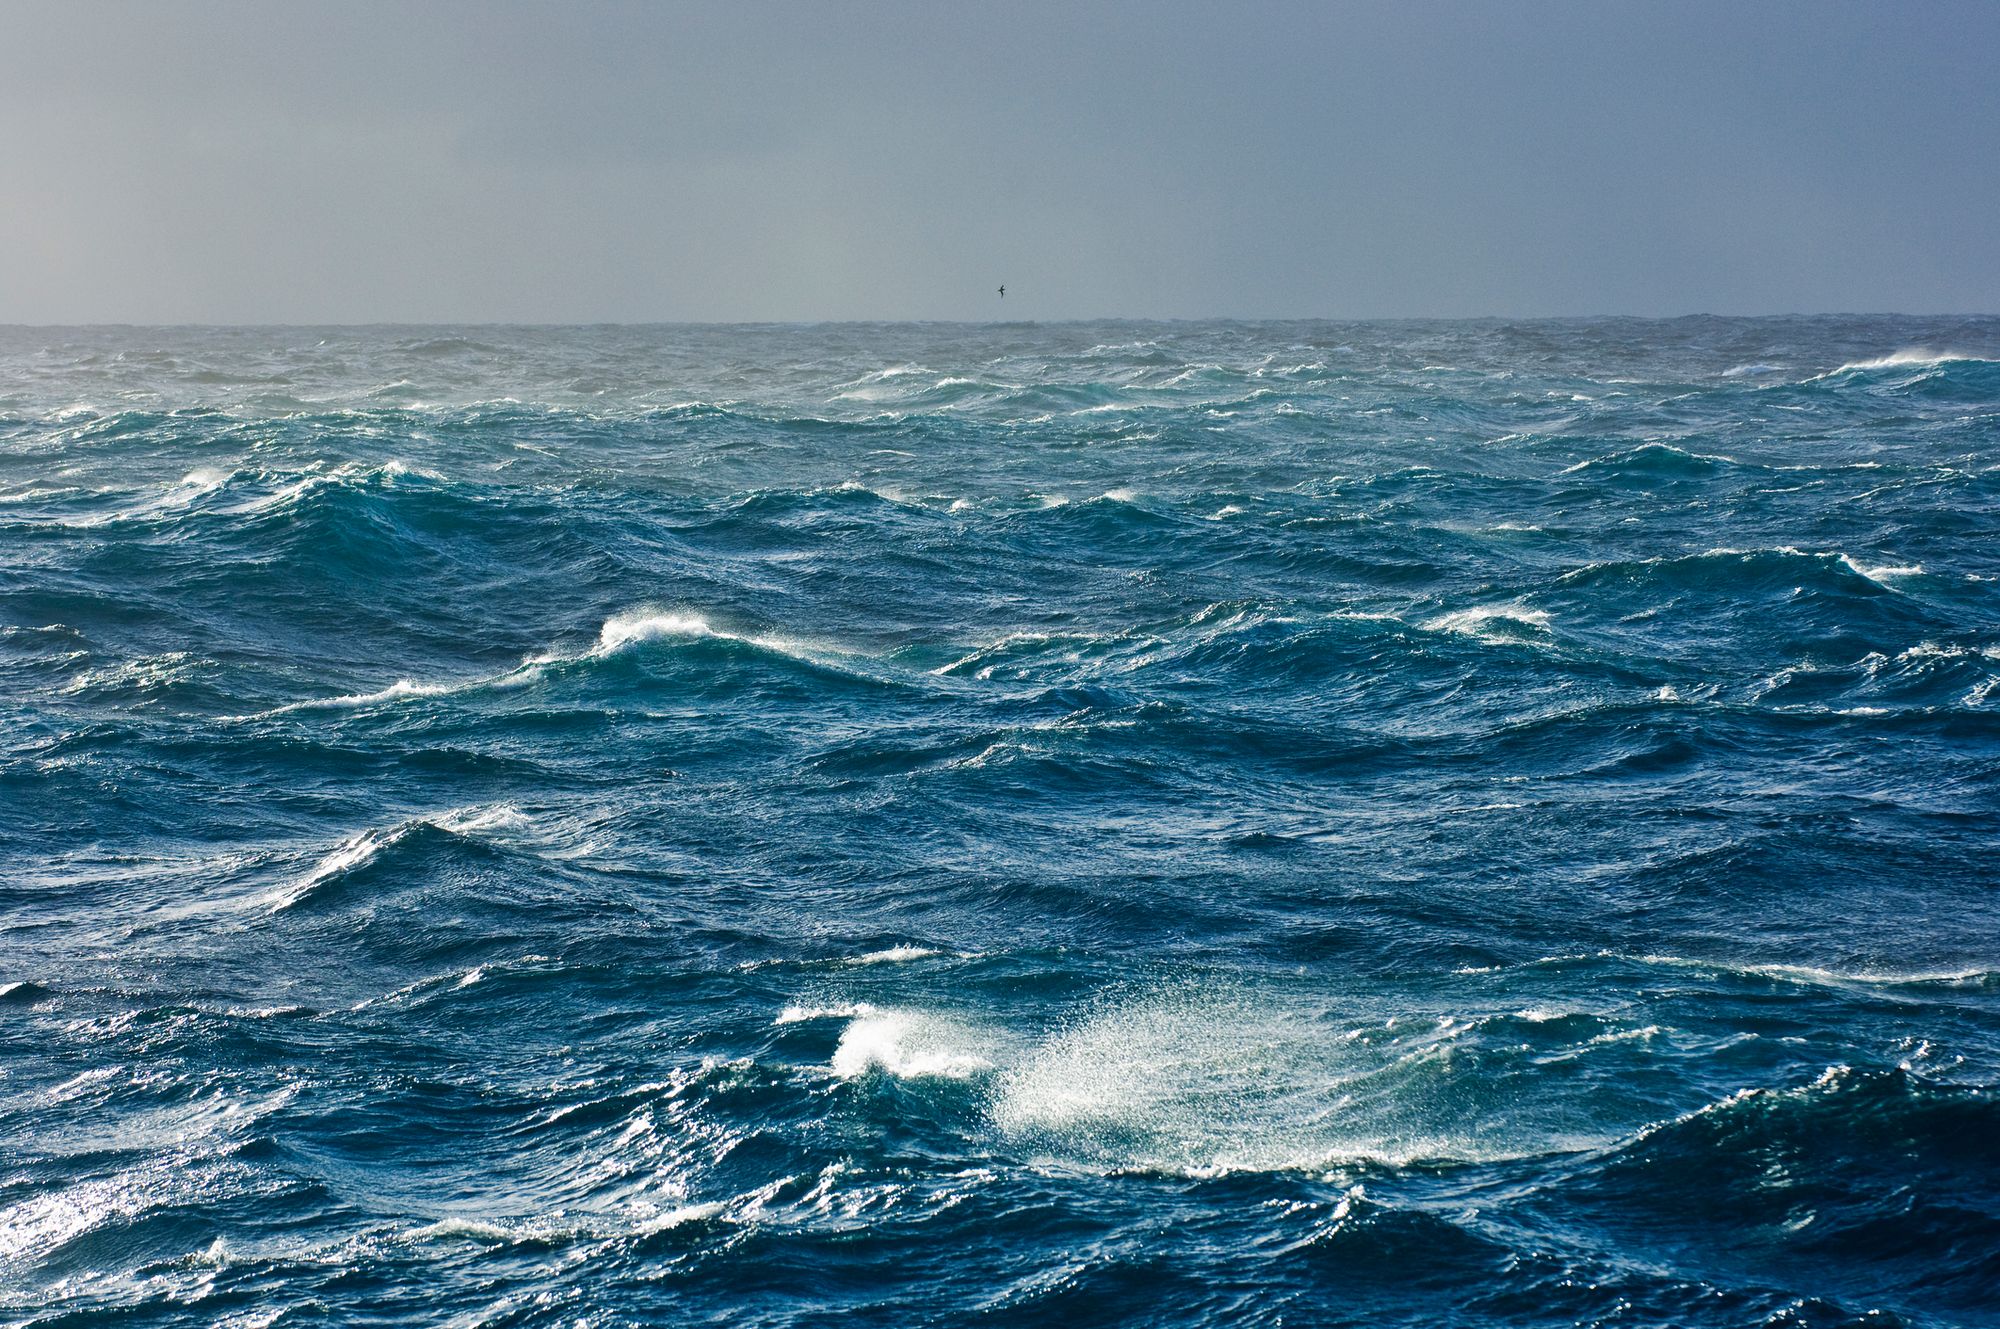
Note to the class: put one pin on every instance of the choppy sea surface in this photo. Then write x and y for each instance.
(1095, 824)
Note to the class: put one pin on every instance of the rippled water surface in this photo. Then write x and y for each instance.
(1307, 824)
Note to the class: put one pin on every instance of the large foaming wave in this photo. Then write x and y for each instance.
(619, 635)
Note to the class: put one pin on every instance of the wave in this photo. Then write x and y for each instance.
(1820, 976)
(1501, 624)
(475, 825)
(1858, 976)
(354, 852)
(245, 495)
(917, 828)
(628, 634)
(1653, 461)
(1734, 571)
(895, 955)
(1911, 357)
(402, 689)
(1205, 1080)
(1878, 1170)
(564, 1231)
(909, 1045)
(145, 680)
(622, 630)
(1199, 1081)
(620, 635)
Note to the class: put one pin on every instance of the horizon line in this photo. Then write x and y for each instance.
(973, 322)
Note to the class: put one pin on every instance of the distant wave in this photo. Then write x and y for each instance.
(619, 634)
(1723, 566)
(1653, 458)
(1940, 367)
(1913, 356)
(1859, 976)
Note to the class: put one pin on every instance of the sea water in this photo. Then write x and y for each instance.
(1163, 824)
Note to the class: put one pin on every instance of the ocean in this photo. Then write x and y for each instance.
(1204, 823)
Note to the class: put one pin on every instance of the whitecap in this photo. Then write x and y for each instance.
(401, 689)
(622, 630)
(678, 1217)
(894, 955)
(909, 1045)
(801, 1014)
(618, 633)
(1912, 356)
(1491, 623)
(1884, 571)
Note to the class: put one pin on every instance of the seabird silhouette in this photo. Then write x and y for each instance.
(1003, 292)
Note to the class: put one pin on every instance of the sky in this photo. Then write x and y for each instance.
(585, 161)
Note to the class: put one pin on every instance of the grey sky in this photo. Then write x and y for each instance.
(226, 162)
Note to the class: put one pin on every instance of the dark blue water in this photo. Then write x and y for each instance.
(1192, 824)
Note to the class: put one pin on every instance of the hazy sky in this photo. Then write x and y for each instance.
(419, 161)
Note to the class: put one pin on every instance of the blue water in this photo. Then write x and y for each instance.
(1181, 824)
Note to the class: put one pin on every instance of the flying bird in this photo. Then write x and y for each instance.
(1003, 292)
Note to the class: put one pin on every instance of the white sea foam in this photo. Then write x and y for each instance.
(622, 630)
(1491, 623)
(559, 1228)
(909, 1045)
(801, 1014)
(680, 1216)
(1883, 572)
(894, 955)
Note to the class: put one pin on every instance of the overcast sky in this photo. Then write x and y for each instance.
(438, 161)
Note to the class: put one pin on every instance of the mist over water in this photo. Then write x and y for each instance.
(1238, 823)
